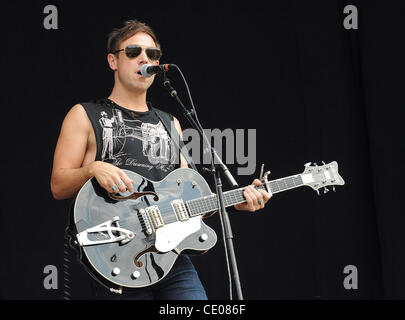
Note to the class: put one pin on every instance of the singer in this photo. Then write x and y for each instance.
(101, 137)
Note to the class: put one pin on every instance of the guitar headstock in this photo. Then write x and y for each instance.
(318, 177)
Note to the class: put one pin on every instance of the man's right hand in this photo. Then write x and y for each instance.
(110, 177)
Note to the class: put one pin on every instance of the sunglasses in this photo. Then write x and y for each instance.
(133, 50)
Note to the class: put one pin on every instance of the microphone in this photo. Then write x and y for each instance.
(148, 70)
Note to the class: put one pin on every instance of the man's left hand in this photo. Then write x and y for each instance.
(255, 198)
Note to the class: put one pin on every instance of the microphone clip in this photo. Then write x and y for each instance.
(167, 84)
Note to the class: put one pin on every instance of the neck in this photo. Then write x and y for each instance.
(208, 204)
(132, 100)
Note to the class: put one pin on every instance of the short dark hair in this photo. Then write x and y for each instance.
(129, 28)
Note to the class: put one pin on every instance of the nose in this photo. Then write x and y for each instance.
(143, 58)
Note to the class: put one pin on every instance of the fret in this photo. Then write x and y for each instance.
(210, 203)
(285, 183)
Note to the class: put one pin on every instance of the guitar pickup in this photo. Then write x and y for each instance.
(155, 216)
(107, 231)
(180, 209)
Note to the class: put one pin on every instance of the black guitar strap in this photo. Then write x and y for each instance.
(168, 123)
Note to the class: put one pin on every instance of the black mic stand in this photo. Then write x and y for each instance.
(216, 166)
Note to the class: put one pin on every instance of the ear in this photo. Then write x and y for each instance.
(112, 61)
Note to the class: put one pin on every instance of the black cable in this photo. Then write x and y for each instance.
(66, 264)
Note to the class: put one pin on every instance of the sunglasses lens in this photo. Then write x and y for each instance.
(153, 53)
(133, 51)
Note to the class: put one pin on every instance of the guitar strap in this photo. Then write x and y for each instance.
(168, 123)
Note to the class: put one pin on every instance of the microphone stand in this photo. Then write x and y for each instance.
(216, 166)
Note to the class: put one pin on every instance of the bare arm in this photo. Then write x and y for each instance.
(183, 162)
(70, 171)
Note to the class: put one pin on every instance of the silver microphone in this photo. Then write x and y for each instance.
(148, 70)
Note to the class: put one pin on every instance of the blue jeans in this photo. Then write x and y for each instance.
(181, 283)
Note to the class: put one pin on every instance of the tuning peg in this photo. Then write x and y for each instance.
(325, 190)
(307, 164)
(328, 167)
(333, 188)
(317, 191)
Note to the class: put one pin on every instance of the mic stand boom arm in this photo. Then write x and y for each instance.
(216, 164)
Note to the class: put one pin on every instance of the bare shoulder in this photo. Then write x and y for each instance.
(76, 120)
(73, 139)
(77, 113)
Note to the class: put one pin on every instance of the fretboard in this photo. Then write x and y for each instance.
(210, 203)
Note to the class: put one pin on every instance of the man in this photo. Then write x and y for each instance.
(134, 133)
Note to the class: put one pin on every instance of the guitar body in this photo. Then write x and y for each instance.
(150, 243)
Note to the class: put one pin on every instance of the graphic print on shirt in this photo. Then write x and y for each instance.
(108, 140)
(117, 131)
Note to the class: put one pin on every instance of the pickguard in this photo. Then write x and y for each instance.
(170, 235)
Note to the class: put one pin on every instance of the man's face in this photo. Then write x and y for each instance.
(127, 68)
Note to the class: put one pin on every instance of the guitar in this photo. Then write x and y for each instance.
(133, 240)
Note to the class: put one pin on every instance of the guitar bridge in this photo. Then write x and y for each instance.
(145, 221)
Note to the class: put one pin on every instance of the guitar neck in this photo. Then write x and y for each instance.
(208, 204)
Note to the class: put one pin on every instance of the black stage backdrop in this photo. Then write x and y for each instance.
(313, 91)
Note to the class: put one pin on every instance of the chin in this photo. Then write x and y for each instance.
(139, 87)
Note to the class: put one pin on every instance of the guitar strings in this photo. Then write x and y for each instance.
(232, 193)
(201, 207)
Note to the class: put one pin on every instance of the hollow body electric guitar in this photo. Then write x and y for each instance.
(132, 240)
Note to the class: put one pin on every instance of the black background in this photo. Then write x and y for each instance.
(312, 89)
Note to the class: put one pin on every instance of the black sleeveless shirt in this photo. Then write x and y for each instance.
(137, 141)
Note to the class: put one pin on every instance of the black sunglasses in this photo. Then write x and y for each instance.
(133, 50)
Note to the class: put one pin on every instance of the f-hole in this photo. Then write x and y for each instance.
(140, 254)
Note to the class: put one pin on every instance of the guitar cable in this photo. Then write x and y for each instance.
(66, 265)
(69, 245)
